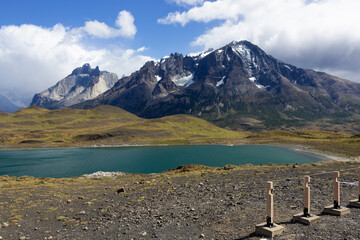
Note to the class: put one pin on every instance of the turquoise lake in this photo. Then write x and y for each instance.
(71, 162)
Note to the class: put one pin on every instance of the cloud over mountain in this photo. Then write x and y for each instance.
(37, 57)
(317, 34)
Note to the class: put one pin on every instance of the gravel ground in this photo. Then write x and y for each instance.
(191, 202)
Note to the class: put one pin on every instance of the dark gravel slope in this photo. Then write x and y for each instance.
(191, 202)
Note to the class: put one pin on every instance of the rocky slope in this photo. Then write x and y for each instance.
(237, 86)
(82, 84)
(191, 202)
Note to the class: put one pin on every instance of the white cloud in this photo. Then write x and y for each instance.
(320, 34)
(141, 49)
(208, 11)
(125, 22)
(187, 2)
(33, 58)
(100, 29)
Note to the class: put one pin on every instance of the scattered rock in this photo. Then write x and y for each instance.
(5, 224)
(121, 190)
(81, 197)
(144, 182)
(101, 174)
(295, 166)
(68, 201)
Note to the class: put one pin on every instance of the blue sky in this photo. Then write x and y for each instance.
(160, 39)
(42, 41)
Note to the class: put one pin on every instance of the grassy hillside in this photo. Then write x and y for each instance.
(107, 125)
(39, 127)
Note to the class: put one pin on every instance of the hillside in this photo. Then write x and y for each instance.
(239, 87)
(35, 127)
(104, 125)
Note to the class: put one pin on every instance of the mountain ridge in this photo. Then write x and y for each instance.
(231, 84)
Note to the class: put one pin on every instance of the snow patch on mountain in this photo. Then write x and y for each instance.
(287, 67)
(181, 80)
(191, 81)
(247, 56)
(221, 82)
(253, 79)
(260, 86)
(158, 78)
(201, 55)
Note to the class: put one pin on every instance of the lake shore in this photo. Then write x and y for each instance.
(328, 155)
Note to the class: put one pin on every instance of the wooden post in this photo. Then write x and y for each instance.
(306, 217)
(270, 205)
(336, 209)
(269, 228)
(307, 197)
(336, 190)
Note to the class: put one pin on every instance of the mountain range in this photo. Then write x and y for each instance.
(237, 86)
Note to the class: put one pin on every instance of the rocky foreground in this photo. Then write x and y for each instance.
(191, 202)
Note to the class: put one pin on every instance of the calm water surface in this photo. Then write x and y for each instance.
(78, 161)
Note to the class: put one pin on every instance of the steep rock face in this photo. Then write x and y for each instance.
(235, 86)
(84, 83)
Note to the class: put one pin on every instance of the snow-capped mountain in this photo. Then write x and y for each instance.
(237, 86)
(84, 83)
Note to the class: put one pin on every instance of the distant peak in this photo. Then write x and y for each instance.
(242, 42)
(95, 72)
(85, 69)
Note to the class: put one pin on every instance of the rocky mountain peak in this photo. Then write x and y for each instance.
(82, 84)
(85, 69)
(95, 72)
